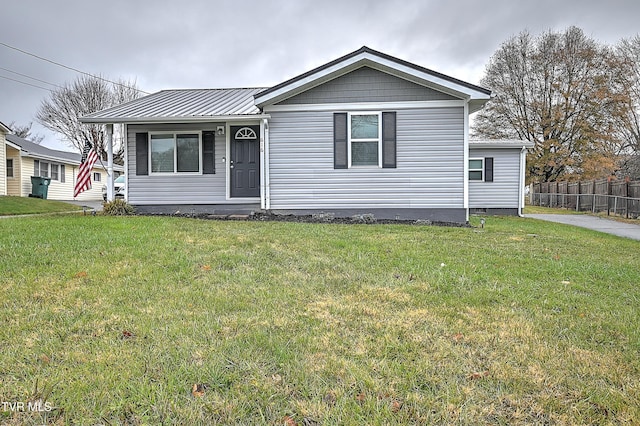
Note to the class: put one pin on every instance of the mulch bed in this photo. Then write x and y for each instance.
(315, 218)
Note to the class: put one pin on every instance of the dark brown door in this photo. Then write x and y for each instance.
(245, 161)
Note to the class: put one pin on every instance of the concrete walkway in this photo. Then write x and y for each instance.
(96, 205)
(608, 226)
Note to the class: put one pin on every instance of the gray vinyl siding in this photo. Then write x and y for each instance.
(367, 85)
(176, 188)
(503, 191)
(429, 171)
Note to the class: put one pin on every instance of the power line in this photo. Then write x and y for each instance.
(29, 77)
(24, 82)
(71, 68)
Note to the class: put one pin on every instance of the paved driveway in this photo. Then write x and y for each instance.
(608, 226)
(96, 205)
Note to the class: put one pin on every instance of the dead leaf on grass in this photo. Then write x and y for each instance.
(288, 421)
(126, 334)
(396, 406)
(457, 337)
(45, 359)
(361, 397)
(205, 267)
(198, 389)
(81, 274)
(477, 375)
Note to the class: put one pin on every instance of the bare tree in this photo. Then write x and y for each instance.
(24, 132)
(61, 112)
(555, 90)
(628, 55)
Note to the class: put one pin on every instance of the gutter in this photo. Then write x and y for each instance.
(523, 160)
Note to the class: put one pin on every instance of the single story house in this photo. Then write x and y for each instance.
(367, 133)
(4, 130)
(25, 159)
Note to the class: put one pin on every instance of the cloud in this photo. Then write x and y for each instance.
(168, 44)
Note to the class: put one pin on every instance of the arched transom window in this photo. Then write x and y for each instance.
(246, 133)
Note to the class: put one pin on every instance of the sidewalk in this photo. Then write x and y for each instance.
(95, 205)
(595, 223)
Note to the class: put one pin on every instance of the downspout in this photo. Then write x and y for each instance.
(523, 157)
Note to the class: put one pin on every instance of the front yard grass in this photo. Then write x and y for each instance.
(10, 205)
(114, 320)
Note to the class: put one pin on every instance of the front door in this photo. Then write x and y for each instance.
(245, 161)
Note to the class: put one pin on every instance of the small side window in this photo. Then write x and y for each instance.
(476, 169)
(97, 177)
(54, 172)
(10, 167)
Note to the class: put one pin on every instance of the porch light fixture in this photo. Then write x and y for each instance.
(220, 130)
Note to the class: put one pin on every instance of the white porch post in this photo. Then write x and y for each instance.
(264, 165)
(109, 162)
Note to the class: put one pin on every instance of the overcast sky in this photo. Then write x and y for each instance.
(245, 43)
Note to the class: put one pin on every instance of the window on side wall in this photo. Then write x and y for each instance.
(40, 168)
(97, 176)
(365, 132)
(10, 167)
(175, 153)
(55, 175)
(476, 169)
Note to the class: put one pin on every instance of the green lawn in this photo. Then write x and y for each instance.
(26, 205)
(113, 320)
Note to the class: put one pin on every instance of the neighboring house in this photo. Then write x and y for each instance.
(25, 159)
(496, 176)
(4, 130)
(364, 134)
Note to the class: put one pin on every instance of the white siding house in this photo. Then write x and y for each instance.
(29, 159)
(3, 163)
(365, 133)
(496, 176)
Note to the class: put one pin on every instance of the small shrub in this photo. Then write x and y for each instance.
(117, 207)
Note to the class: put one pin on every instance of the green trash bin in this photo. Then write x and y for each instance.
(39, 187)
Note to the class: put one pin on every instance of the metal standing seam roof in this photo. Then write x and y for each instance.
(181, 104)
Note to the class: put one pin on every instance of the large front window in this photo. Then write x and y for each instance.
(364, 139)
(175, 153)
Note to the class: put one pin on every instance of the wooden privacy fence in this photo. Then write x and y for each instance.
(614, 197)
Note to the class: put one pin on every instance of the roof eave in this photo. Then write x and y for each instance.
(499, 143)
(177, 120)
(4, 128)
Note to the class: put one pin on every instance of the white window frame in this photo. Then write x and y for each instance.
(379, 139)
(51, 167)
(49, 170)
(99, 177)
(481, 169)
(175, 151)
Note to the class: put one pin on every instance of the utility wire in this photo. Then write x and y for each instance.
(24, 82)
(29, 77)
(70, 68)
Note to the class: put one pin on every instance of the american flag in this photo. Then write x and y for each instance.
(83, 181)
